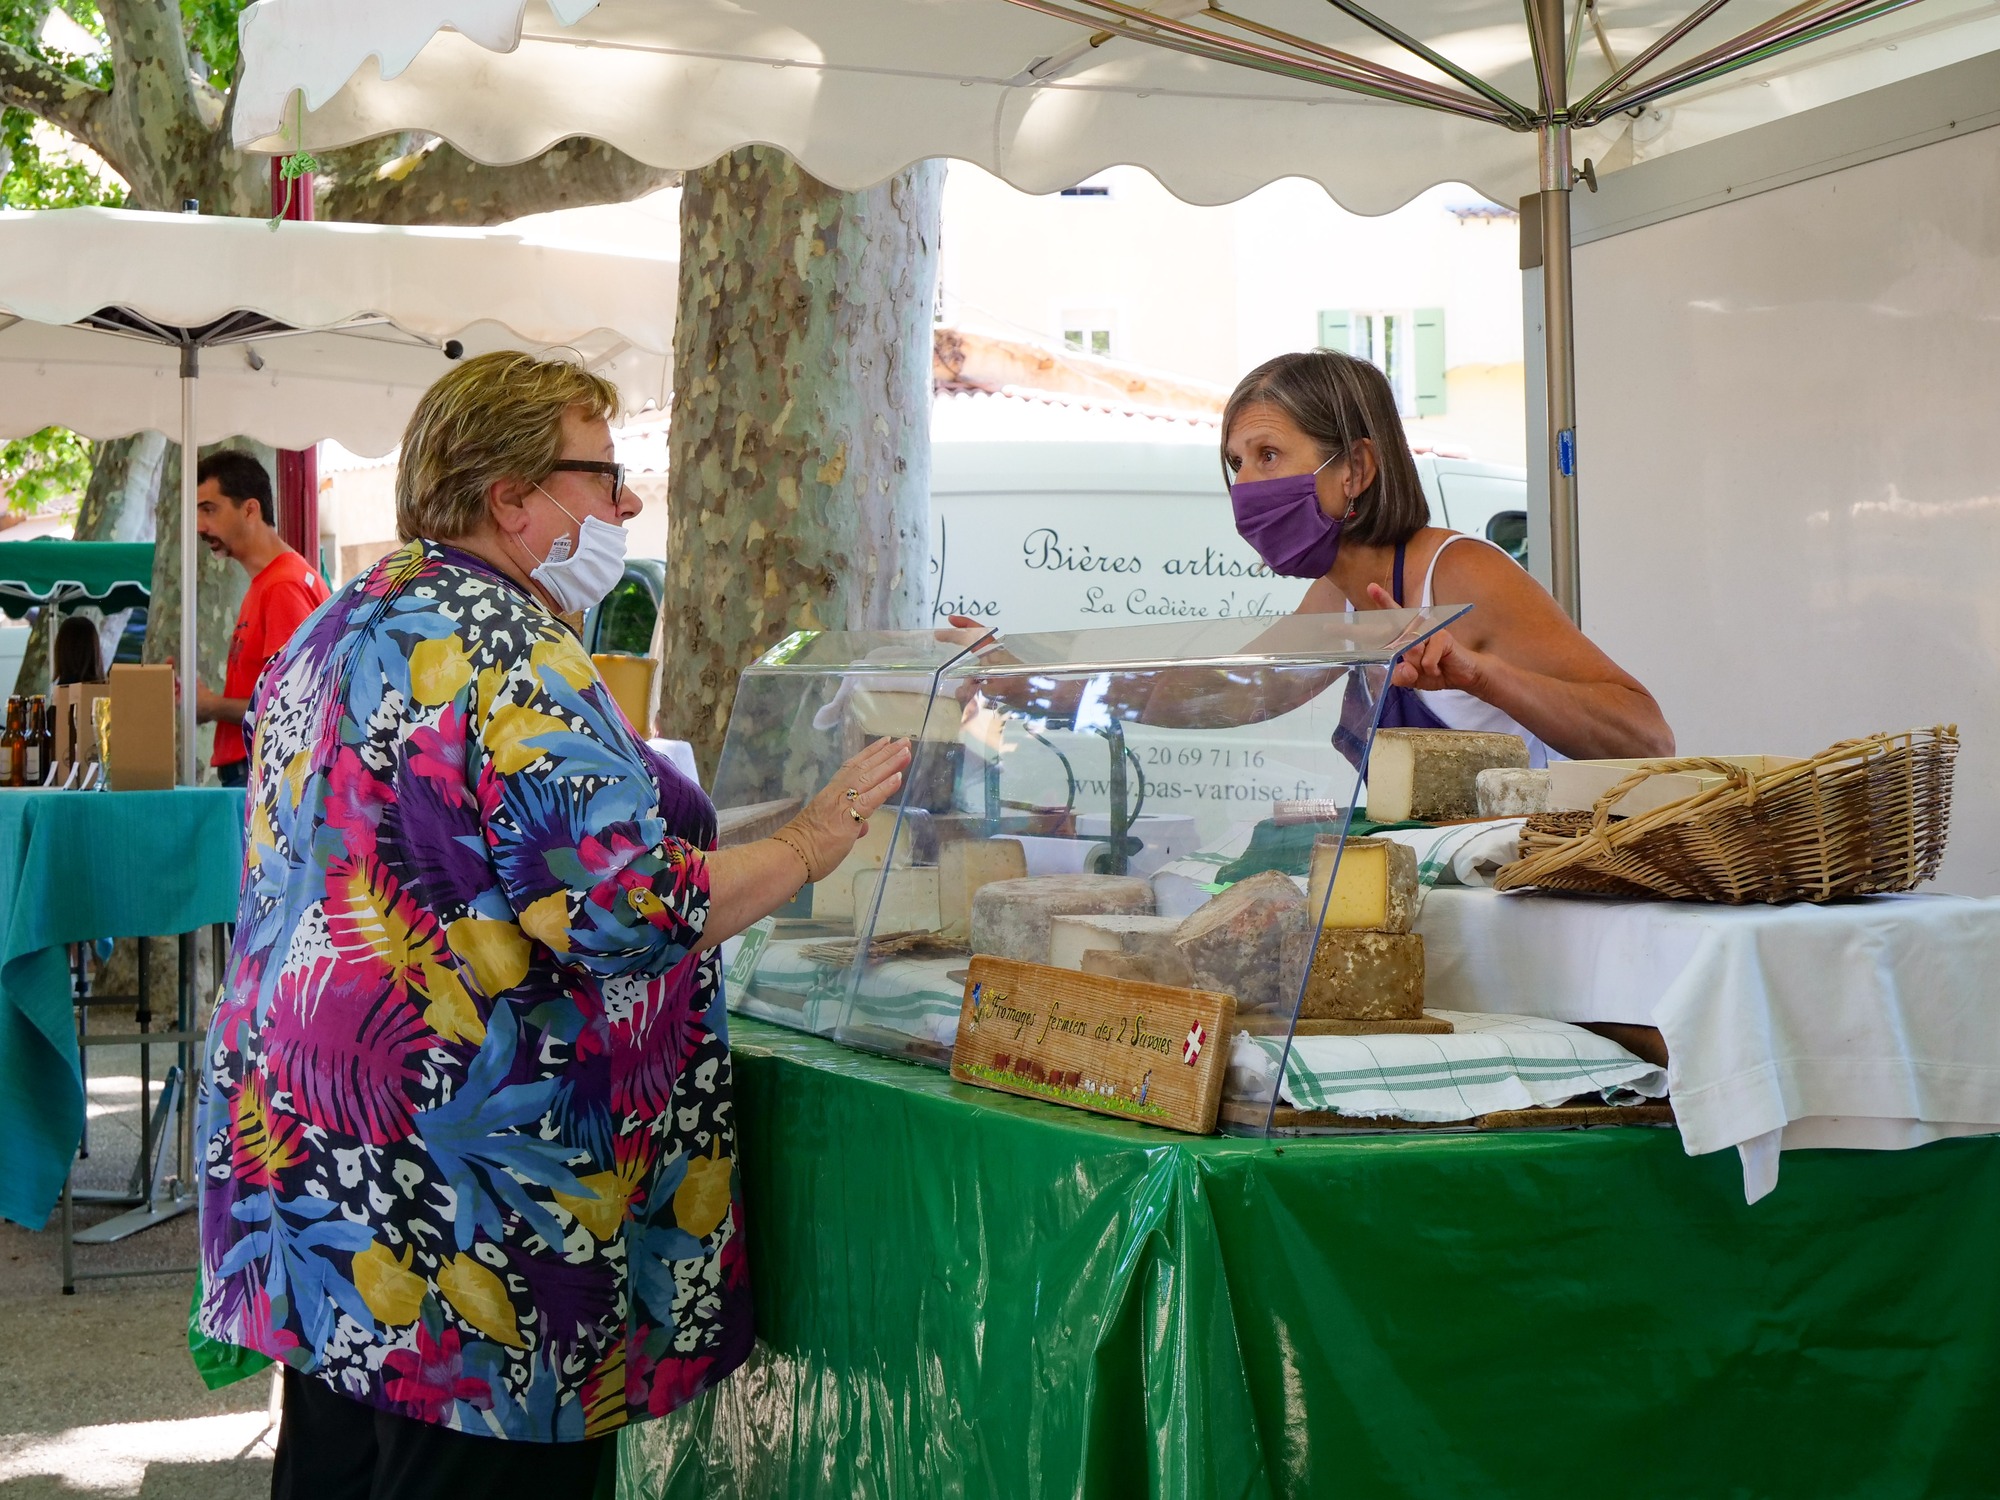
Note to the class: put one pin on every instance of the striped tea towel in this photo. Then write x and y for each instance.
(1461, 853)
(1490, 1062)
(774, 980)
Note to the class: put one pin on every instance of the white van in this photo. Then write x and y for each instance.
(1055, 536)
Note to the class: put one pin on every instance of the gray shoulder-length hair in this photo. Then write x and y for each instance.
(1336, 399)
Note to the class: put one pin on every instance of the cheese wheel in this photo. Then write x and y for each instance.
(1235, 943)
(1432, 775)
(1374, 884)
(1358, 976)
(1011, 918)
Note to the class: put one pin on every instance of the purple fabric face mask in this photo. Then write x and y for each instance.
(1281, 518)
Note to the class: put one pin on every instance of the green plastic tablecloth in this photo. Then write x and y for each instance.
(964, 1294)
(76, 866)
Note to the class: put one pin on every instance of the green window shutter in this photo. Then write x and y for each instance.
(1430, 361)
(1334, 331)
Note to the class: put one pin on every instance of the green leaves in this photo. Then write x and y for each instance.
(45, 466)
(211, 35)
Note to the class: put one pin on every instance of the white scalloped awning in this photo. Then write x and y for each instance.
(858, 89)
(373, 308)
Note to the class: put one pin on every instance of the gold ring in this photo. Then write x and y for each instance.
(851, 795)
(855, 813)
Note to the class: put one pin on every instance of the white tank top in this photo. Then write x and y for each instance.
(1458, 710)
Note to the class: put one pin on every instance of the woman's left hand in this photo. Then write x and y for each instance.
(1434, 664)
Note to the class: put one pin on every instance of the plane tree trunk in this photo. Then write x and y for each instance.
(799, 450)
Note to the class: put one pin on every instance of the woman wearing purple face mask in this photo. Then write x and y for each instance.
(1324, 487)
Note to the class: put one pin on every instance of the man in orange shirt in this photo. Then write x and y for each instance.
(233, 515)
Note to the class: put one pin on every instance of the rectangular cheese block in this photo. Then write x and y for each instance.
(1358, 976)
(833, 896)
(1235, 942)
(1147, 940)
(909, 900)
(1012, 918)
(967, 866)
(1508, 793)
(891, 713)
(1374, 884)
(1575, 785)
(1433, 774)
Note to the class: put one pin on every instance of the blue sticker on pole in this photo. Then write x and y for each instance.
(1566, 452)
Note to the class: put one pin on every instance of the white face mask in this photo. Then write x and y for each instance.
(579, 581)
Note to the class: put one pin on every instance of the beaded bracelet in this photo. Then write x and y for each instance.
(786, 839)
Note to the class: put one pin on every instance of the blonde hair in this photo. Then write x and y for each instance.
(1337, 399)
(497, 416)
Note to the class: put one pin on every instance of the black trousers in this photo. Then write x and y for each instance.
(331, 1448)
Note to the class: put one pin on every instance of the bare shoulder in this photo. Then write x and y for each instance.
(1504, 595)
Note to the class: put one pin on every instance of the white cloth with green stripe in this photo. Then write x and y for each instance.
(1486, 1063)
(1461, 853)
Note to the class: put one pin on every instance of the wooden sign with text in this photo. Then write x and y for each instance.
(1116, 1046)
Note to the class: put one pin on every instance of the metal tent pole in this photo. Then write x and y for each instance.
(1559, 366)
(1546, 33)
(190, 369)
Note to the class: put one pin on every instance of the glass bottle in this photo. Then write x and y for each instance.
(31, 743)
(12, 745)
(48, 735)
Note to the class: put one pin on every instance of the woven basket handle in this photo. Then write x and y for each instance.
(1600, 811)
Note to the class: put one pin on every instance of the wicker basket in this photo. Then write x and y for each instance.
(1862, 816)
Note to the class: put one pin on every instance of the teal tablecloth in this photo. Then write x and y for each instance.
(76, 866)
(962, 1294)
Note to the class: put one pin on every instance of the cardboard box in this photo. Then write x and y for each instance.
(1575, 785)
(82, 697)
(142, 729)
(630, 679)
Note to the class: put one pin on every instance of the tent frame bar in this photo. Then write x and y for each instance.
(1554, 35)
(233, 329)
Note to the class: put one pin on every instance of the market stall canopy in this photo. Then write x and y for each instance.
(109, 575)
(203, 328)
(1045, 92)
(314, 330)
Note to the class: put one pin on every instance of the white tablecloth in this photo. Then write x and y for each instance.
(1870, 1024)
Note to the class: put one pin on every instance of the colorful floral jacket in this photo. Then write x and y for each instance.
(464, 1114)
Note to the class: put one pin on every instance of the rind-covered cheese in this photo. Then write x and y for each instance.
(1235, 943)
(909, 900)
(1108, 964)
(1011, 918)
(1374, 886)
(966, 867)
(1358, 976)
(1148, 940)
(1433, 774)
(1508, 793)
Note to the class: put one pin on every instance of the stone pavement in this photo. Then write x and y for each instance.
(97, 1395)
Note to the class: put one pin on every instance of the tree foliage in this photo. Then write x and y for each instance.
(44, 466)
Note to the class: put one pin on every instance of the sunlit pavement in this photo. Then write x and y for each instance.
(97, 1394)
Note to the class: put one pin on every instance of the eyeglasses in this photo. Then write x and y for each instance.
(596, 466)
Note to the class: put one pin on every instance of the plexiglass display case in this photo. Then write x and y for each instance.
(1128, 776)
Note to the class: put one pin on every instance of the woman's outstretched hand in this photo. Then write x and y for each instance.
(830, 824)
(1436, 662)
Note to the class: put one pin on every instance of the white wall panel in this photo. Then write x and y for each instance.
(1789, 448)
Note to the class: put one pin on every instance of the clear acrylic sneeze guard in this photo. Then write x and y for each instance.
(1157, 753)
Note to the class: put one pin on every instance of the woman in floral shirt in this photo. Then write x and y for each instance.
(468, 1146)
